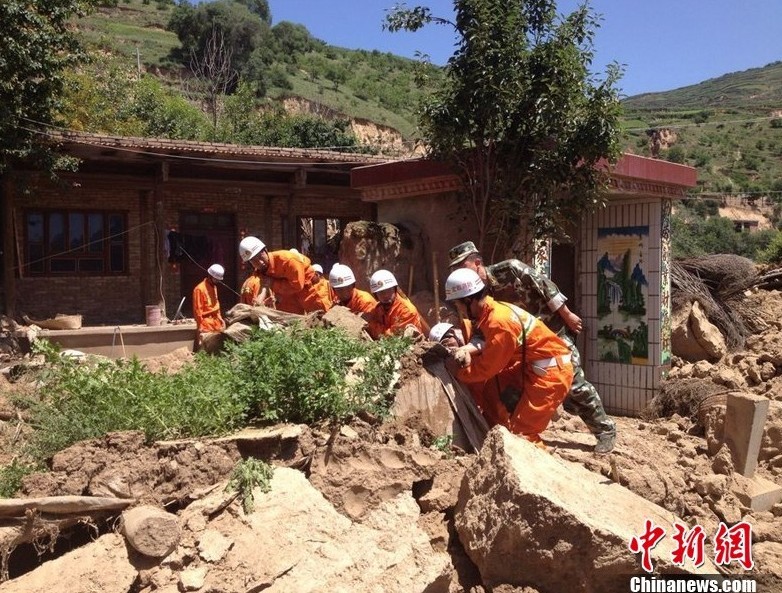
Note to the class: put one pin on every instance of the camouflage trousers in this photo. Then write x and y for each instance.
(583, 399)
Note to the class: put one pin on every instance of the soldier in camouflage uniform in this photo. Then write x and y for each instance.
(515, 282)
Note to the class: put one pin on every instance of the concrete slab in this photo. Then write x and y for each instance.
(124, 341)
(744, 421)
(757, 493)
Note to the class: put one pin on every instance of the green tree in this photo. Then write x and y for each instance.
(37, 46)
(293, 39)
(165, 114)
(520, 115)
(241, 30)
(260, 8)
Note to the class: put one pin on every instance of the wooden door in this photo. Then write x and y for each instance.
(208, 238)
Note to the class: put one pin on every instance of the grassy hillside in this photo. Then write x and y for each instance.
(753, 88)
(372, 85)
(729, 128)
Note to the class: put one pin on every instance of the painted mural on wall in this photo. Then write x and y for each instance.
(665, 285)
(622, 295)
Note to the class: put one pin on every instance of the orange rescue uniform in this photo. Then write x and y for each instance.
(393, 320)
(251, 288)
(293, 282)
(325, 294)
(535, 365)
(206, 308)
(360, 302)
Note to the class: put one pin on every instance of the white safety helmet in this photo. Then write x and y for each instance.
(462, 283)
(341, 276)
(317, 268)
(249, 247)
(439, 330)
(216, 271)
(381, 280)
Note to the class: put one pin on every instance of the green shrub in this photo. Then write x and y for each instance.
(772, 253)
(299, 375)
(81, 401)
(295, 375)
(11, 477)
(249, 474)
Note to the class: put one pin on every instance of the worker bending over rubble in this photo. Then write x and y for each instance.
(253, 291)
(288, 275)
(516, 282)
(322, 286)
(526, 364)
(343, 285)
(394, 312)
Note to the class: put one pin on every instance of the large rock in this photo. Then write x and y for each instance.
(708, 335)
(370, 246)
(434, 398)
(528, 518)
(151, 531)
(696, 338)
(295, 540)
(102, 565)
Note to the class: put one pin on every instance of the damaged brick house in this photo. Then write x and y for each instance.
(615, 273)
(142, 218)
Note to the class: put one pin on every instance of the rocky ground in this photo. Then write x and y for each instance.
(374, 506)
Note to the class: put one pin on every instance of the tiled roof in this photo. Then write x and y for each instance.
(165, 146)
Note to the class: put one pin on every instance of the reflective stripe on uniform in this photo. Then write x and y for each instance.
(541, 366)
(526, 320)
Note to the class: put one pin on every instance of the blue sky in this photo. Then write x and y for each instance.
(664, 44)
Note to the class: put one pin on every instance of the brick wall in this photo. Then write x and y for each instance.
(116, 299)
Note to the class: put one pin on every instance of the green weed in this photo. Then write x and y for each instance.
(297, 375)
(300, 375)
(443, 444)
(11, 477)
(249, 474)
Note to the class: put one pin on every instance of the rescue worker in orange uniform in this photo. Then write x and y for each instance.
(252, 291)
(343, 284)
(322, 286)
(288, 275)
(394, 311)
(206, 306)
(528, 363)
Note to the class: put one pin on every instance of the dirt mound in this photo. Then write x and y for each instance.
(124, 465)
(372, 505)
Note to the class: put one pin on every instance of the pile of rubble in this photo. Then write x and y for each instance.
(426, 501)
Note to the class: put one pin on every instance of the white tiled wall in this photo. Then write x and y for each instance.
(624, 388)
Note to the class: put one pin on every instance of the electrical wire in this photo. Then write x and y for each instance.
(207, 271)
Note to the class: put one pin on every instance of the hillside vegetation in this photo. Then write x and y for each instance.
(729, 128)
(380, 87)
(141, 82)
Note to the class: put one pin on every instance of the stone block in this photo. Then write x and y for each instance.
(526, 518)
(744, 421)
(757, 493)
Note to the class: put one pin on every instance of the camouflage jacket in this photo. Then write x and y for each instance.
(515, 282)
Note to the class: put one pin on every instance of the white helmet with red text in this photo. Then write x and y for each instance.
(462, 283)
(249, 247)
(381, 280)
(341, 276)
